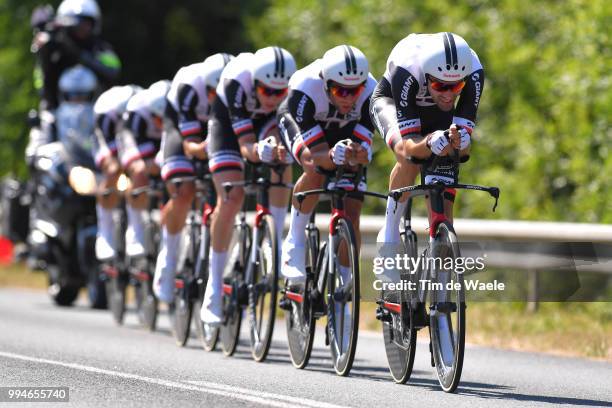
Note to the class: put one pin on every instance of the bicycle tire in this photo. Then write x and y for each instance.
(447, 331)
(301, 320)
(399, 337)
(262, 309)
(343, 355)
(208, 335)
(229, 331)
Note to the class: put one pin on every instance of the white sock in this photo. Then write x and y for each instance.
(217, 265)
(279, 214)
(136, 221)
(105, 223)
(171, 243)
(393, 216)
(297, 229)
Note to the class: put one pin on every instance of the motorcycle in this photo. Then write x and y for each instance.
(63, 228)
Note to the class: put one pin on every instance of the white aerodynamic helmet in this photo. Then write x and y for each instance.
(156, 94)
(77, 80)
(273, 66)
(447, 57)
(345, 65)
(69, 10)
(213, 66)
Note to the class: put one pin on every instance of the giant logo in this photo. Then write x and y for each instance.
(300, 109)
(405, 90)
(476, 78)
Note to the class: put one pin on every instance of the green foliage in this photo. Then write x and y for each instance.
(544, 133)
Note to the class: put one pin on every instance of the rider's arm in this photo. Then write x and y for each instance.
(190, 127)
(311, 137)
(362, 134)
(242, 124)
(104, 63)
(467, 107)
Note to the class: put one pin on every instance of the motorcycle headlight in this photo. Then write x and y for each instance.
(82, 180)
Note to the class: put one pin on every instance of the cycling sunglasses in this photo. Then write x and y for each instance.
(343, 92)
(266, 91)
(211, 92)
(438, 86)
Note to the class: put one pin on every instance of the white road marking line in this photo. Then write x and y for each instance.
(259, 397)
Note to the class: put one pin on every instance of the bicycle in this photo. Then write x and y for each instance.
(251, 278)
(324, 293)
(137, 272)
(440, 308)
(192, 270)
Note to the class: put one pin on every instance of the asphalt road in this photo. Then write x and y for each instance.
(105, 365)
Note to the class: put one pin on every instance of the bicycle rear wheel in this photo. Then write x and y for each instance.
(263, 290)
(343, 299)
(116, 283)
(447, 311)
(233, 288)
(184, 290)
(208, 335)
(300, 320)
(399, 332)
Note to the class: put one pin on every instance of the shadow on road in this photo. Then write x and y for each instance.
(503, 392)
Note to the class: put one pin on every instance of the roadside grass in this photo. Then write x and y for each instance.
(18, 275)
(579, 329)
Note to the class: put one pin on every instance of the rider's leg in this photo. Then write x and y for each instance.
(403, 174)
(228, 205)
(105, 242)
(279, 198)
(293, 256)
(135, 207)
(173, 216)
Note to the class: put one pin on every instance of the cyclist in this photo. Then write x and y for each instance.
(243, 118)
(108, 110)
(433, 83)
(325, 123)
(139, 142)
(191, 93)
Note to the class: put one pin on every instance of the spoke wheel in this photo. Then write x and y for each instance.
(300, 320)
(233, 283)
(398, 333)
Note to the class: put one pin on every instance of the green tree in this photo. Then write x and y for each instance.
(544, 132)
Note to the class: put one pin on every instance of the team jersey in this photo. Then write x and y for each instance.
(109, 107)
(317, 119)
(138, 117)
(237, 93)
(416, 112)
(188, 97)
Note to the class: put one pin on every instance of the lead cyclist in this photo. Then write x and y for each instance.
(432, 84)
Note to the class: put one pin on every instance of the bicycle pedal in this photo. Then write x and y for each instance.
(383, 315)
(443, 308)
(285, 304)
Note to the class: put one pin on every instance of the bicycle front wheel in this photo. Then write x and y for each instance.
(183, 298)
(343, 297)
(263, 289)
(447, 318)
